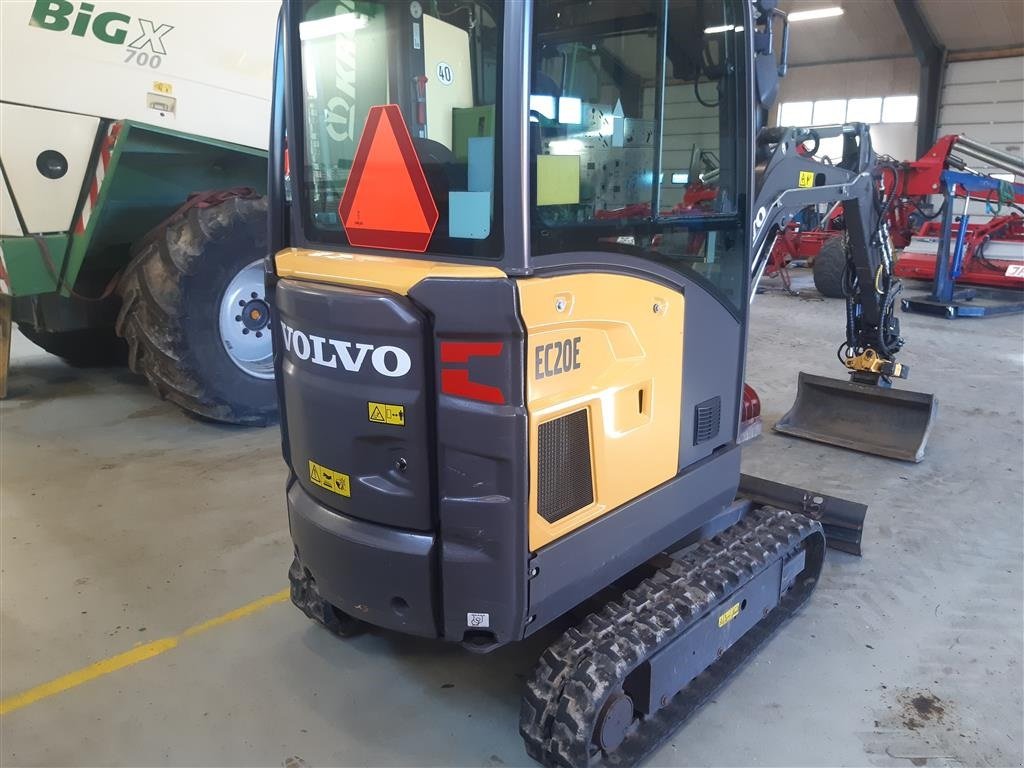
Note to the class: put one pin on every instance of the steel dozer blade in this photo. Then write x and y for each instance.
(864, 417)
(841, 519)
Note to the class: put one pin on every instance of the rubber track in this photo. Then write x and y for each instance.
(576, 674)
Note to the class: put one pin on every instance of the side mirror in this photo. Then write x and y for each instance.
(766, 77)
(768, 71)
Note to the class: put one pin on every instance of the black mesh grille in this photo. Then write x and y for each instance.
(707, 420)
(564, 483)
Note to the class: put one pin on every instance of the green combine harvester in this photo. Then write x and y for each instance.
(132, 216)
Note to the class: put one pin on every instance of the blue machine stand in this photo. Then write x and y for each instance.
(946, 299)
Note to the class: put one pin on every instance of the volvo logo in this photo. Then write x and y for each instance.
(387, 360)
(759, 218)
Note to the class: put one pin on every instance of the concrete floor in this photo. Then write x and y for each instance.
(124, 521)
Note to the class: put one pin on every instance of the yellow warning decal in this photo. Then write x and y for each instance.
(329, 479)
(386, 413)
(806, 179)
(729, 615)
(165, 88)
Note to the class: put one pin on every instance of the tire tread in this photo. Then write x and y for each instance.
(829, 268)
(153, 307)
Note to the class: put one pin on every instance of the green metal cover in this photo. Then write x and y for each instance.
(150, 174)
(27, 272)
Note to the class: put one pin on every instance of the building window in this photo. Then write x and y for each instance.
(864, 110)
(873, 110)
(899, 109)
(829, 112)
(796, 113)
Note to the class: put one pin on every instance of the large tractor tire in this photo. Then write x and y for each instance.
(829, 268)
(194, 314)
(84, 348)
(85, 318)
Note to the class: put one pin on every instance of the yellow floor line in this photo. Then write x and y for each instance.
(130, 658)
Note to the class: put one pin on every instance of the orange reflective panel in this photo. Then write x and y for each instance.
(387, 202)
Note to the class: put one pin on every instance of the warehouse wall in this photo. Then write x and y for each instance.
(985, 101)
(688, 124)
(880, 77)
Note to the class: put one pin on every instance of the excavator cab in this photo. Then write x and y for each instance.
(510, 346)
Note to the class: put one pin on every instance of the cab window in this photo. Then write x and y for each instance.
(635, 151)
(438, 61)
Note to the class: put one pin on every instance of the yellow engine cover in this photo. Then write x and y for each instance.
(363, 270)
(612, 345)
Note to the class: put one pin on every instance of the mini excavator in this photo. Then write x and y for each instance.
(514, 249)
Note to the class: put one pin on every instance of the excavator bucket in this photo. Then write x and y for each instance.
(864, 417)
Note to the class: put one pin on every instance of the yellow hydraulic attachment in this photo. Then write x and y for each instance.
(869, 361)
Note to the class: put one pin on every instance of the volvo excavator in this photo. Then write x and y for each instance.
(512, 265)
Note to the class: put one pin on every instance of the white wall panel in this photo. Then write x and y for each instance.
(985, 101)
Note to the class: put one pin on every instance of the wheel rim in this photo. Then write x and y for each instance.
(245, 322)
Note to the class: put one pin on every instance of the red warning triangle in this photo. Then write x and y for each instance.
(386, 202)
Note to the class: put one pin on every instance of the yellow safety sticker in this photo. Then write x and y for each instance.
(386, 413)
(729, 615)
(806, 179)
(329, 479)
(165, 88)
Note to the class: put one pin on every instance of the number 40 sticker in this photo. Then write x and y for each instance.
(445, 74)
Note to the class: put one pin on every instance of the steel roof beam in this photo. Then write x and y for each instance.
(931, 55)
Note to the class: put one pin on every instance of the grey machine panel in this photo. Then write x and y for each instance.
(711, 368)
(380, 574)
(482, 464)
(340, 352)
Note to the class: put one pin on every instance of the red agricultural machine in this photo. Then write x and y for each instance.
(939, 244)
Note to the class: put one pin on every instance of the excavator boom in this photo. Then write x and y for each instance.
(864, 413)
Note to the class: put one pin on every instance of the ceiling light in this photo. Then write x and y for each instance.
(570, 110)
(543, 104)
(722, 28)
(817, 13)
(565, 146)
(332, 25)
